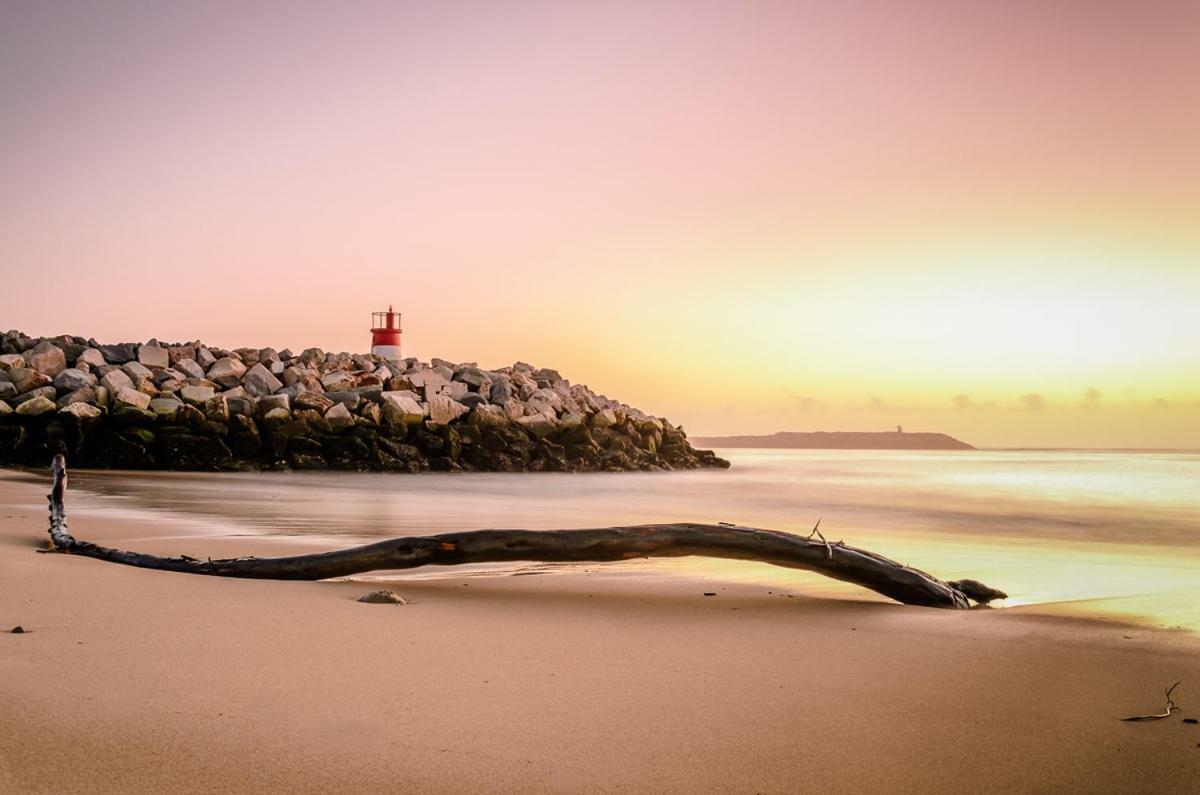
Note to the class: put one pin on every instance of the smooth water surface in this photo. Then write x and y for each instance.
(1116, 532)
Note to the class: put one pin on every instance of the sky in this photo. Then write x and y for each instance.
(974, 218)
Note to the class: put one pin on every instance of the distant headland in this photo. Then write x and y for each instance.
(840, 440)
(190, 406)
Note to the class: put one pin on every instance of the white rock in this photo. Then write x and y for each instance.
(35, 406)
(47, 358)
(277, 415)
(604, 418)
(421, 378)
(196, 395)
(444, 409)
(538, 424)
(116, 380)
(399, 409)
(227, 372)
(136, 371)
(269, 403)
(487, 415)
(515, 409)
(165, 406)
(339, 417)
(259, 382)
(81, 411)
(91, 357)
(9, 360)
(190, 367)
(127, 396)
(153, 357)
(337, 381)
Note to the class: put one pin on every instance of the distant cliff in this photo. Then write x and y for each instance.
(840, 440)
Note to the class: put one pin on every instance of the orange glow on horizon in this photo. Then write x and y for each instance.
(970, 218)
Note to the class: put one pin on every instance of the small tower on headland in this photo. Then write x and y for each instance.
(385, 334)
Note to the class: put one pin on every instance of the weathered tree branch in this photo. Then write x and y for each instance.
(838, 561)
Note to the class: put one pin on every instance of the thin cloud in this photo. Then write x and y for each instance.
(1033, 402)
(804, 403)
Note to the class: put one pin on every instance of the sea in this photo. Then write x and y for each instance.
(1102, 533)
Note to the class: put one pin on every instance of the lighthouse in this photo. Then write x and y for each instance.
(385, 334)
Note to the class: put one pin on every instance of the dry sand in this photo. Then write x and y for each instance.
(132, 680)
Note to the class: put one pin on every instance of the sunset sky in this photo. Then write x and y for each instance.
(971, 217)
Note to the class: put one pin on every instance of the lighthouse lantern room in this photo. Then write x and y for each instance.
(385, 334)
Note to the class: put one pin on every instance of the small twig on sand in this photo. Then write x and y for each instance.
(1167, 711)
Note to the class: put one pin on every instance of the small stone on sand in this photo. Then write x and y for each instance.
(18, 630)
(384, 597)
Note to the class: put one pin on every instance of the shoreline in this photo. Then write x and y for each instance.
(583, 680)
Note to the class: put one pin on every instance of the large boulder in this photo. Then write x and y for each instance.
(71, 379)
(501, 391)
(36, 407)
(177, 353)
(165, 407)
(116, 380)
(444, 409)
(26, 379)
(153, 356)
(604, 418)
(10, 360)
(196, 395)
(47, 358)
(227, 372)
(190, 368)
(127, 396)
(339, 418)
(486, 415)
(399, 409)
(137, 371)
(350, 398)
(538, 424)
(269, 403)
(313, 401)
(41, 391)
(81, 411)
(118, 354)
(216, 409)
(337, 381)
(85, 395)
(259, 382)
(91, 357)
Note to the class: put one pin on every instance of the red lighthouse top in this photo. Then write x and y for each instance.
(385, 328)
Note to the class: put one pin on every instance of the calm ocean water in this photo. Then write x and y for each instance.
(1107, 532)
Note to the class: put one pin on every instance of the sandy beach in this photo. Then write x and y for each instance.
(131, 680)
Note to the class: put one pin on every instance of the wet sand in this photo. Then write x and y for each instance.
(582, 680)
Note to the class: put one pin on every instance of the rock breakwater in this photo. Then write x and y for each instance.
(189, 406)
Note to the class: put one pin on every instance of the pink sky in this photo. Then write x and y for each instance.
(746, 216)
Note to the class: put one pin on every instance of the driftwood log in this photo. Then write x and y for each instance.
(836, 560)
